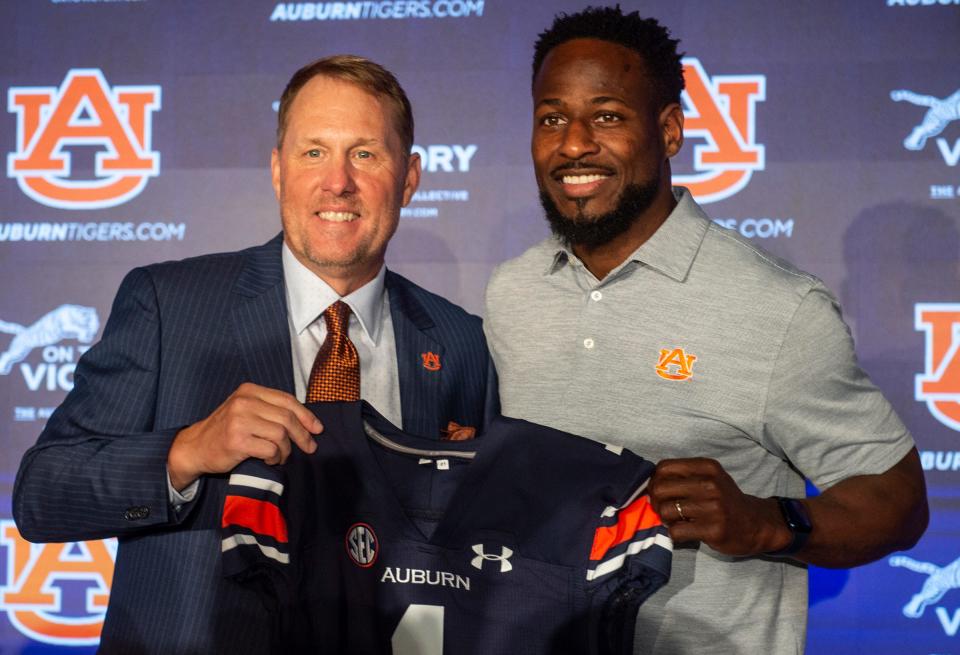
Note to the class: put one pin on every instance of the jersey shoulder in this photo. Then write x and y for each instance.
(555, 490)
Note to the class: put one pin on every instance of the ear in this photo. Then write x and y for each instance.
(275, 172)
(671, 128)
(412, 179)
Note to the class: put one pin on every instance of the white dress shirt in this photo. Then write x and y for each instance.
(371, 331)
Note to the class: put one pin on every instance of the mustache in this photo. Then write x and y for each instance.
(333, 203)
(580, 165)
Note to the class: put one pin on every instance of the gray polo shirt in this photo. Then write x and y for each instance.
(698, 345)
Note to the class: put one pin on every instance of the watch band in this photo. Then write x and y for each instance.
(798, 522)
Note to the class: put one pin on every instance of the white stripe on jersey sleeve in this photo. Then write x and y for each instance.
(610, 510)
(242, 480)
(635, 547)
(233, 541)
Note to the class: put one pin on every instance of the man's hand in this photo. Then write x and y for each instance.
(857, 520)
(254, 421)
(699, 501)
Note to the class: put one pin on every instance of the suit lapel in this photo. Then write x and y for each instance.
(419, 360)
(259, 318)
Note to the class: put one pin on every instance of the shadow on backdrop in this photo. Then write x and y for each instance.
(897, 255)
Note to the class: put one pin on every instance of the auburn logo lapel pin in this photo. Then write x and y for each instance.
(431, 361)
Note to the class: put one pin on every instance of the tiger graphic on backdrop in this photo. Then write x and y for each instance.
(64, 322)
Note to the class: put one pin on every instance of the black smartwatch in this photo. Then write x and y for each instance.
(796, 517)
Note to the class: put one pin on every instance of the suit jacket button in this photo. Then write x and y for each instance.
(136, 513)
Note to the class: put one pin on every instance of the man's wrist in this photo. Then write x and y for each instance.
(179, 471)
(797, 520)
(180, 497)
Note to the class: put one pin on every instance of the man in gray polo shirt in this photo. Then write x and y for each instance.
(644, 324)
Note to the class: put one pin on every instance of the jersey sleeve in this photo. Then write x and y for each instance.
(630, 542)
(630, 536)
(253, 528)
(629, 560)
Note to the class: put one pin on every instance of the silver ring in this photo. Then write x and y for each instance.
(679, 510)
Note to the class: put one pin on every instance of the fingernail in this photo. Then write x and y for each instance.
(317, 426)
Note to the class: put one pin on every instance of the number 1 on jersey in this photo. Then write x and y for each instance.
(420, 631)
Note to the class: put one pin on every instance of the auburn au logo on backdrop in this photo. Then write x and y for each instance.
(939, 384)
(721, 110)
(37, 576)
(84, 111)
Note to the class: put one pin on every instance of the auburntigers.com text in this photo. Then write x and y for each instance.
(93, 231)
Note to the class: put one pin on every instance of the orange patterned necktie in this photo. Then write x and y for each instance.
(336, 370)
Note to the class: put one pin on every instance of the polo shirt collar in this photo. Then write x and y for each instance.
(308, 296)
(672, 248)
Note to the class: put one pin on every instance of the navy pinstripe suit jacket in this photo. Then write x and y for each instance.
(181, 337)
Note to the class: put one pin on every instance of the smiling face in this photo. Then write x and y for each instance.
(341, 176)
(601, 144)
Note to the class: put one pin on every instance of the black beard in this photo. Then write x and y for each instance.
(593, 231)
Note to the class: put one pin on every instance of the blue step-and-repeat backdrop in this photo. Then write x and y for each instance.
(826, 131)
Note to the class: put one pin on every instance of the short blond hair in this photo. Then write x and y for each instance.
(366, 74)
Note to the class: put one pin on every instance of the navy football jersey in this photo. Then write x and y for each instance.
(523, 540)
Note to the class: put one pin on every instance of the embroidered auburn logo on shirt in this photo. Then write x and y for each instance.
(675, 364)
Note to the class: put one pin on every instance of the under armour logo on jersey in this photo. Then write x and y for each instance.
(503, 558)
(675, 364)
(362, 545)
(431, 361)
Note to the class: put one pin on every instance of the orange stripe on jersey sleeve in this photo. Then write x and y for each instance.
(258, 515)
(638, 515)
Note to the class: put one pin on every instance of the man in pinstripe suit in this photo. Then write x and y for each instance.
(205, 362)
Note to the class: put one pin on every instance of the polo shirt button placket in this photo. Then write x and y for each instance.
(595, 296)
